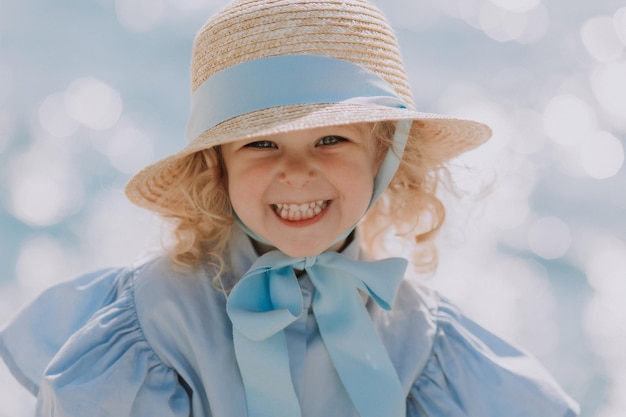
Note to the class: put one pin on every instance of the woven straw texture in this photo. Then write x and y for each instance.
(351, 30)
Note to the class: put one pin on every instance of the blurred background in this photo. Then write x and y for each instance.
(534, 249)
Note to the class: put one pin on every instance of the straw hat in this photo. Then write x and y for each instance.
(251, 58)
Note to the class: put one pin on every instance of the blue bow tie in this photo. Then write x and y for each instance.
(268, 298)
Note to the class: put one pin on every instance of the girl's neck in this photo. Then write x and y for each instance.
(262, 248)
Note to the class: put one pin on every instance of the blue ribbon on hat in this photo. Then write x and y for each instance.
(268, 298)
(284, 80)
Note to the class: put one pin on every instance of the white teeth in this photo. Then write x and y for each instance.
(295, 212)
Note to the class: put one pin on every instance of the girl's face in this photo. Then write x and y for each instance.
(302, 190)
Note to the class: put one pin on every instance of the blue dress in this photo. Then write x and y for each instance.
(150, 340)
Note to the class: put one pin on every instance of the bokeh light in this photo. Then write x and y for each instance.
(568, 119)
(93, 103)
(619, 23)
(605, 267)
(516, 6)
(601, 39)
(602, 155)
(195, 6)
(538, 25)
(609, 86)
(42, 261)
(37, 199)
(43, 186)
(549, 237)
(54, 118)
(505, 21)
(116, 231)
(527, 135)
(139, 15)
(127, 148)
(502, 25)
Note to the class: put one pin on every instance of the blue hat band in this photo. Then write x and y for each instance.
(284, 80)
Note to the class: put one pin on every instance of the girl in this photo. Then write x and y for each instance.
(302, 127)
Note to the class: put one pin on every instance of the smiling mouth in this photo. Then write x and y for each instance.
(297, 212)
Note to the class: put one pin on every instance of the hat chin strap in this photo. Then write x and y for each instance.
(383, 178)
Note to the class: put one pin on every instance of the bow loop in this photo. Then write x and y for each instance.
(379, 279)
(266, 299)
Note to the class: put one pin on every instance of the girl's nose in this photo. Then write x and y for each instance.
(296, 172)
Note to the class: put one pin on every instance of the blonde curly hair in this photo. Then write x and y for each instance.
(408, 209)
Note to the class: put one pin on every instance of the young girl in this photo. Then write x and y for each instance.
(305, 154)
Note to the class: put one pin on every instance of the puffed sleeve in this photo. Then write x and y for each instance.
(471, 372)
(79, 347)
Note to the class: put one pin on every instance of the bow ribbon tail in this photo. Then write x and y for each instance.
(264, 367)
(260, 306)
(354, 346)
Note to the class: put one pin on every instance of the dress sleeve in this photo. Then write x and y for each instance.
(472, 372)
(80, 349)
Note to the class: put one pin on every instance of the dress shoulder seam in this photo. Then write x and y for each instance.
(438, 312)
(131, 288)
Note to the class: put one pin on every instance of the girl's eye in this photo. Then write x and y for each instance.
(331, 140)
(261, 144)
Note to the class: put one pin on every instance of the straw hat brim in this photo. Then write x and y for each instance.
(149, 187)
